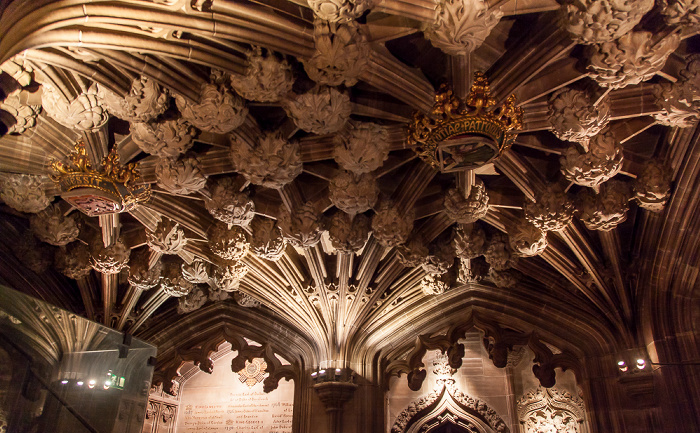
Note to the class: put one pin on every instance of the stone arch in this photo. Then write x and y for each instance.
(446, 405)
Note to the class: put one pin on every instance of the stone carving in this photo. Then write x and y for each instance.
(141, 275)
(228, 243)
(302, 228)
(413, 253)
(337, 11)
(597, 21)
(25, 115)
(266, 78)
(602, 161)
(606, 210)
(527, 240)
(441, 258)
(552, 210)
(23, 192)
(680, 101)
(216, 294)
(84, 113)
(267, 241)
(498, 253)
(342, 53)
(551, 410)
(180, 175)
(631, 59)
(166, 138)
(219, 110)
(574, 118)
(168, 238)
(348, 234)
(389, 226)
(433, 285)
(145, 101)
(652, 188)
(228, 204)
(469, 241)
(18, 69)
(196, 272)
(321, 110)
(353, 194)
(505, 279)
(273, 162)
(173, 283)
(192, 301)
(461, 26)
(111, 259)
(229, 274)
(245, 300)
(33, 254)
(680, 12)
(73, 261)
(470, 209)
(363, 148)
(53, 227)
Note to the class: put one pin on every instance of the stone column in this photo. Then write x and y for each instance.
(334, 395)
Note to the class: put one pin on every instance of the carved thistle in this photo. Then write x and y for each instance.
(470, 209)
(631, 59)
(228, 275)
(602, 161)
(342, 53)
(597, 21)
(83, 113)
(348, 234)
(339, 10)
(173, 283)
(196, 272)
(267, 241)
(552, 210)
(23, 192)
(353, 194)
(461, 26)
(527, 240)
(180, 176)
(192, 301)
(272, 162)
(498, 253)
(111, 259)
(321, 110)
(574, 118)
(606, 210)
(25, 115)
(228, 204)
(73, 260)
(469, 241)
(303, 227)
(53, 227)
(390, 228)
(652, 189)
(168, 238)
(363, 148)
(228, 243)
(166, 138)
(145, 101)
(266, 78)
(142, 275)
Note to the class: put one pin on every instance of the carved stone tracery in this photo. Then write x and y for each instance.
(546, 410)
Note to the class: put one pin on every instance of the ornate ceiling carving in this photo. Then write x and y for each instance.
(342, 53)
(461, 26)
(53, 227)
(167, 238)
(574, 117)
(84, 112)
(181, 175)
(363, 148)
(321, 110)
(347, 233)
(339, 10)
(73, 261)
(229, 243)
(600, 162)
(111, 259)
(165, 138)
(145, 101)
(24, 192)
(267, 241)
(228, 204)
(271, 162)
(266, 77)
(595, 21)
(353, 194)
(142, 275)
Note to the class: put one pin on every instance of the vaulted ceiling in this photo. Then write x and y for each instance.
(273, 135)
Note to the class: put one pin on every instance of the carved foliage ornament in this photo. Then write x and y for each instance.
(461, 26)
(680, 12)
(552, 209)
(219, 110)
(413, 253)
(602, 161)
(245, 300)
(441, 258)
(142, 275)
(145, 101)
(25, 115)
(652, 188)
(390, 228)
(272, 162)
(180, 176)
(53, 227)
(363, 148)
(266, 78)
(228, 243)
(165, 138)
(18, 69)
(23, 192)
(547, 410)
(470, 209)
(173, 283)
(574, 118)
(597, 21)
(73, 261)
(680, 101)
(606, 210)
(228, 204)
(342, 53)
(353, 194)
(505, 279)
(229, 274)
(469, 241)
(111, 259)
(267, 241)
(339, 10)
(526, 240)
(84, 113)
(631, 59)
(498, 253)
(192, 301)
(348, 234)
(433, 285)
(196, 272)
(322, 110)
(32, 253)
(168, 238)
(302, 228)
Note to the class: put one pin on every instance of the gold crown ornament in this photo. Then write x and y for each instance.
(111, 189)
(456, 136)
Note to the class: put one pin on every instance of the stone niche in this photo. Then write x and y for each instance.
(227, 401)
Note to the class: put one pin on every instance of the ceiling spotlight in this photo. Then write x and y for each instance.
(79, 383)
(91, 384)
(63, 382)
(622, 366)
(322, 372)
(314, 374)
(641, 364)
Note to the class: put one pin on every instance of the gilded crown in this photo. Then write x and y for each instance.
(456, 135)
(112, 188)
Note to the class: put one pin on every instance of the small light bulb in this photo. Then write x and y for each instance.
(79, 383)
(322, 372)
(641, 364)
(314, 374)
(64, 382)
(91, 384)
(622, 366)
(337, 371)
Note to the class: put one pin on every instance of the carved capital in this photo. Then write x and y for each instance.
(267, 241)
(245, 300)
(53, 227)
(461, 26)
(266, 78)
(574, 118)
(334, 395)
(433, 285)
(322, 110)
(353, 194)
(272, 162)
(173, 283)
